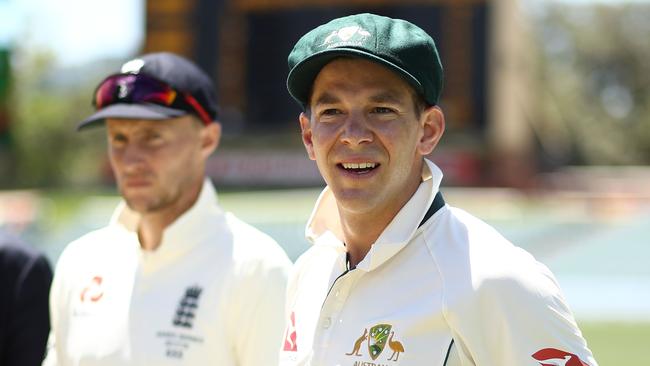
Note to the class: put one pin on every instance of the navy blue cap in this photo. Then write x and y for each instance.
(174, 70)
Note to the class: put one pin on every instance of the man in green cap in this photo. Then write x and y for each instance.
(396, 276)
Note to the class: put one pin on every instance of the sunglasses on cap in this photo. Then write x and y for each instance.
(140, 88)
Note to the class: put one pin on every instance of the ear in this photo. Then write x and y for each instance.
(433, 126)
(210, 136)
(306, 132)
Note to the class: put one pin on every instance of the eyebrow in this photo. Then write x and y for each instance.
(383, 97)
(326, 98)
(386, 97)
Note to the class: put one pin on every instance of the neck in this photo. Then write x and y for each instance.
(359, 236)
(361, 230)
(153, 224)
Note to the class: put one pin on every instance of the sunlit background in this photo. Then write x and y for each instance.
(548, 127)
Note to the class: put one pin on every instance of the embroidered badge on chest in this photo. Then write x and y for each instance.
(377, 339)
(185, 313)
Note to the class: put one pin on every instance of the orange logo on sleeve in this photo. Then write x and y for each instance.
(93, 292)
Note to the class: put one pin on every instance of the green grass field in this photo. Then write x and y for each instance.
(618, 344)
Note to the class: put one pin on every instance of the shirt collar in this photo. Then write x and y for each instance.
(187, 230)
(325, 219)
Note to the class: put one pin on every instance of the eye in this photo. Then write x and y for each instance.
(330, 112)
(118, 140)
(154, 138)
(382, 110)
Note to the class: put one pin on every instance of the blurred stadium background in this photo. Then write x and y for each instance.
(547, 105)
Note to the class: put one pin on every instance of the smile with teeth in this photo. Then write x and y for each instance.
(358, 167)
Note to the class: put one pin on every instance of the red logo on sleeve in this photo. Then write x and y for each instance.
(290, 335)
(93, 291)
(555, 357)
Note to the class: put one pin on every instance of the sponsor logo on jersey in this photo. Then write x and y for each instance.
(377, 338)
(556, 357)
(185, 312)
(94, 291)
(290, 335)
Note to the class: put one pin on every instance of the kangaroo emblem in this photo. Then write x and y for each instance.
(357, 343)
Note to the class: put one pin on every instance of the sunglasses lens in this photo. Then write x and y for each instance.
(105, 93)
(133, 88)
(140, 88)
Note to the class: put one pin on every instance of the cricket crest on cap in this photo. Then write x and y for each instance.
(397, 44)
(347, 36)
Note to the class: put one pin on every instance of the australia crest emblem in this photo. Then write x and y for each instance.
(377, 339)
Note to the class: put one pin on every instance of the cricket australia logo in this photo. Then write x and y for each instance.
(187, 307)
(377, 338)
(346, 36)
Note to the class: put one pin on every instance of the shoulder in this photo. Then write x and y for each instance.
(96, 244)
(317, 262)
(23, 269)
(498, 299)
(324, 251)
(477, 261)
(254, 249)
(15, 254)
(92, 240)
(14, 250)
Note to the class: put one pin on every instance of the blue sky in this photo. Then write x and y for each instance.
(80, 31)
(75, 31)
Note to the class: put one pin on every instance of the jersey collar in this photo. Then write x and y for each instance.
(325, 220)
(189, 229)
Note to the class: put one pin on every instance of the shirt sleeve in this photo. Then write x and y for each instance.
(518, 318)
(258, 325)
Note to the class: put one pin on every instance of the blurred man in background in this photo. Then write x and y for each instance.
(173, 279)
(25, 277)
(394, 274)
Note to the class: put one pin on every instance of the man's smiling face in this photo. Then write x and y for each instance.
(366, 135)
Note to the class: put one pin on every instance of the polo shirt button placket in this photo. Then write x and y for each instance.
(327, 322)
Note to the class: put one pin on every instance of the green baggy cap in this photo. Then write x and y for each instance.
(395, 43)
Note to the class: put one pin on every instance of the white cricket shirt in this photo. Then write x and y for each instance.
(211, 294)
(450, 292)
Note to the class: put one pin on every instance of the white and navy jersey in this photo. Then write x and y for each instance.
(451, 291)
(211, 294)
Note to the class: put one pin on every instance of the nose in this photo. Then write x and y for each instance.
(356, 130)
(131, 158)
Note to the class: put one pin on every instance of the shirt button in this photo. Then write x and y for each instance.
(327, 322)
